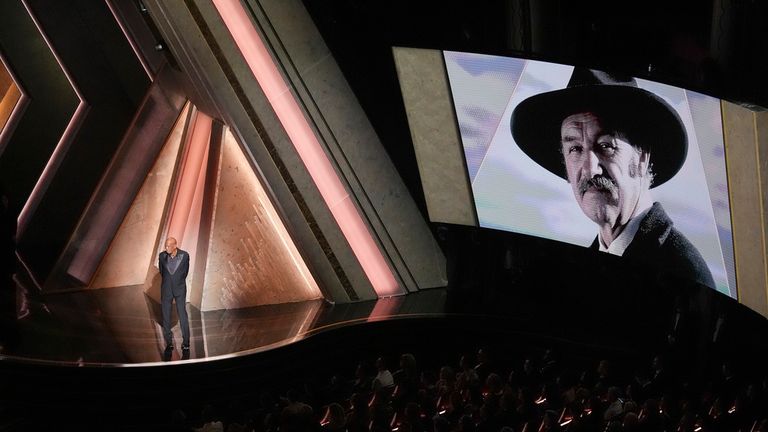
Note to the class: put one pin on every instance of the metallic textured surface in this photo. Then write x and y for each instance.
(132, 252)
(350, 140)
(309, 149)
(149, 132)
(252, 259)
(257, 129)
(227, 331)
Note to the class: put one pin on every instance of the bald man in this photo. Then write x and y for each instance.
(174, 267)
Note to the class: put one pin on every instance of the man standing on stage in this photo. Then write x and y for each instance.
(174, 267)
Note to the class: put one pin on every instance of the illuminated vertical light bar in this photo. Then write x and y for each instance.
(259, 60)
(61, 147)
(192, 229)
(189, 178)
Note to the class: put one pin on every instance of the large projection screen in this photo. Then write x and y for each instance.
(510, 191)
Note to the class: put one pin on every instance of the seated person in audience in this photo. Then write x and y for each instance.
(362, 382)
(407, 380)
(383, 377)
(210, 421)
(550, 421)
(530, 375)
(447, 382)
(649, 418)
(660, 381)
(493, 385)
(440, 424)
(296, 416)
(455, 408)
(334, 419)
(483, 366)
(382, 412)
(412, 419)
(358, 418)
(468, 373)
(615, 405)
(466, 424)
(179, 422)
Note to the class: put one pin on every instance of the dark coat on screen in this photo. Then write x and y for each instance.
(665, 250)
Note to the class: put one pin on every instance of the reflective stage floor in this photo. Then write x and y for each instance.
(122, 326)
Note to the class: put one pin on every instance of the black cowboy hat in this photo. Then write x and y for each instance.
(646, 119)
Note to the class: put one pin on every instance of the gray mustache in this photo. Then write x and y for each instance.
(601, 183)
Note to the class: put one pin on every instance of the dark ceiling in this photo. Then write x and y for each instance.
(718, 47)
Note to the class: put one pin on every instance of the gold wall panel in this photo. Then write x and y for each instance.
(761, 132)
(747, 207)
(251, 258)
(435, 133)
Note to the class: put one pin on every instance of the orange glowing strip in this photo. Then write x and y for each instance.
(21, 103)
(308, 147)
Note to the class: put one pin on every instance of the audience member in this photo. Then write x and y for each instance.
(548, 398)
(334, 420)
(358, 418)
(296, 416)
(210, 421)
(383, 377)
(362, 382)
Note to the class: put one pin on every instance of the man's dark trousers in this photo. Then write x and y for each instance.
(174, 288)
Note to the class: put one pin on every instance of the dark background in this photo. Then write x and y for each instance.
(719, 48)
(547, 294)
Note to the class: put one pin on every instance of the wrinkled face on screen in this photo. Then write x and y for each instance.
(618, 164)
(607, 174)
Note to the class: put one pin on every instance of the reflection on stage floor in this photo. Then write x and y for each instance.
(122, 326)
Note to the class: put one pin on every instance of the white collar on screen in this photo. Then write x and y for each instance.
(620, 243)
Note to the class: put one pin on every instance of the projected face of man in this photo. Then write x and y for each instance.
(170, 246)
(608, 176)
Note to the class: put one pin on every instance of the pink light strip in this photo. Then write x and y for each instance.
(192, 228)
(61, 147)
(385, 308)
(130, 40)
(191, 171)
(308, 147)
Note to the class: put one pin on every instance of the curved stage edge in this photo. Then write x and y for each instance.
(121, 327)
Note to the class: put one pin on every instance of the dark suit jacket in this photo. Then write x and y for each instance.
(173, 283)
(665, 250)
